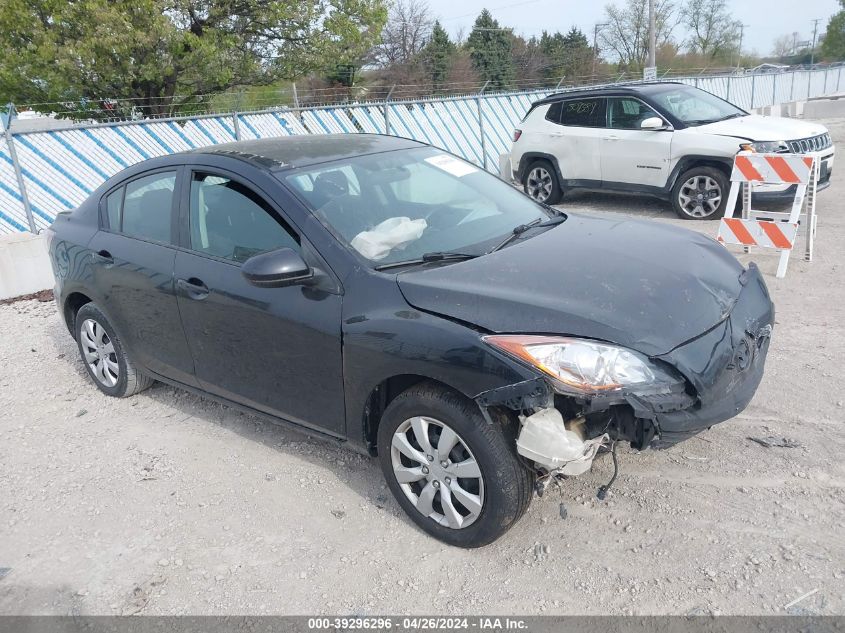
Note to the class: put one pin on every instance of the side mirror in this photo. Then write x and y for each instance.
(276, 269)
(653, 123)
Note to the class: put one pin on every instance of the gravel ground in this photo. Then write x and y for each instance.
(167, 503)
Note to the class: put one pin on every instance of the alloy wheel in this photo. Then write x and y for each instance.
(99, 353)
(437, 472)
(700, 196)
(539, 184)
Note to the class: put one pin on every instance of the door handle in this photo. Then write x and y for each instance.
(611, 138)
(103, 257)
(193, 288)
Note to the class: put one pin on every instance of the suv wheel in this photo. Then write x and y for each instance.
(457, 476)
(541, 182)
(104, 357)
(701, 193)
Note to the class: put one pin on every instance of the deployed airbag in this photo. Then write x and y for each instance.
(393, 233)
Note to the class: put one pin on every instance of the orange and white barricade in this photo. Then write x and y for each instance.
(772, 229)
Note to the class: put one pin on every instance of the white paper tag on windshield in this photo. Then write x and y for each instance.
(451, 165)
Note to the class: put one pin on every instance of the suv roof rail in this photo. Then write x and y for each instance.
(622, 85)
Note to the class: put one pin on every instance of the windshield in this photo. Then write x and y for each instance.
(694, 106)
(402, 205)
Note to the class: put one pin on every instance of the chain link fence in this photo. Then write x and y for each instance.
(52, 163)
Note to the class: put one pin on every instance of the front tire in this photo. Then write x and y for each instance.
(541, 183)
(701, 193)
(456, 475)
(106, 361)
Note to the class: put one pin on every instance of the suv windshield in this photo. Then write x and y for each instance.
(694, 106)
(404, 205)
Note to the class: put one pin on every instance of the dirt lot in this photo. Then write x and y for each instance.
(167, 503)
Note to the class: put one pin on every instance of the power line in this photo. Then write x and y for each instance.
(504, 6)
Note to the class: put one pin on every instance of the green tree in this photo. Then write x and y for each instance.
(568, 56)
(151, 51)
(552, 48)
(833, 46)
(438, 54)
(712, 31)
(490, 50)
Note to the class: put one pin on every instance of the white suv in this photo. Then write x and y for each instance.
(668, 140)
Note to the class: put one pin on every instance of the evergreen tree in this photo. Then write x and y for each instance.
(438, 55)
(490, 50)
(833, 46)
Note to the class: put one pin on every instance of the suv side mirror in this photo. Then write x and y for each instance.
(276, 269)
(653, 123)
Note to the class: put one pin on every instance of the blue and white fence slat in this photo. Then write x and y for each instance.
(369, 118)
(12, 215)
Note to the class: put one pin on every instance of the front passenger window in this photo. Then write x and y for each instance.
(628, 114)
(231, 221)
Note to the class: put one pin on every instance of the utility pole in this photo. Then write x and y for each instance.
(596, 29)
(652, 35)
(813, 47)
(739, 54)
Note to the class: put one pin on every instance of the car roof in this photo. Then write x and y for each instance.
(302, 150)
(611, 91)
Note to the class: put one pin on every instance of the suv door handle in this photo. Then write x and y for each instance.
(103, 257)
(612, 137)
(193, 288)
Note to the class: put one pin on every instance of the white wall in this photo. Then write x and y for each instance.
(24, 265)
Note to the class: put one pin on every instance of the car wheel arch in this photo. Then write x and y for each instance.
(72, 304)
(530, 157)
(686, 163)
(387, 391)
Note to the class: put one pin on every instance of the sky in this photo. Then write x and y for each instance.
(765, 19)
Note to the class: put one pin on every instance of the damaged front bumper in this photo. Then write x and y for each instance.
(721, 371)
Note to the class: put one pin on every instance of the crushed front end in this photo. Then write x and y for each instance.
(704, 381)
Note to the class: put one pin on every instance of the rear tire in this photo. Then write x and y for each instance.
(541, 182)
(104, 357)
(473, 491)
(701, 193)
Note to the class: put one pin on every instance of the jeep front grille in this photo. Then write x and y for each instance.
(810, 144)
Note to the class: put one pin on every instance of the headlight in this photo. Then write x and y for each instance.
(583, 366)
(766, 147)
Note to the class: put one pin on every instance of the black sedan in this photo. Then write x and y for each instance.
(380, 292)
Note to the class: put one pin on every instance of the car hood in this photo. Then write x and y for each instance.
(647, 286)
(764, 128)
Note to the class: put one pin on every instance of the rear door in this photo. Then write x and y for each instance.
(277, 350)
(576, 139)
(630, 154)
(134, 253)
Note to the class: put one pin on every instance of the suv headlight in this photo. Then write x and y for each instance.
(766, 147)
(584, 366)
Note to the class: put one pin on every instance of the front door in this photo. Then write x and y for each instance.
(630, 154)
(133, 259)
(277, 350)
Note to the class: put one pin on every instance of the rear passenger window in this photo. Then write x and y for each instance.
(231, 221)
(147, 207)
(583, 113)
(554, 111)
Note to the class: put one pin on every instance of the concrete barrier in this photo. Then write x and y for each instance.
(24, 265)
(824, 108)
